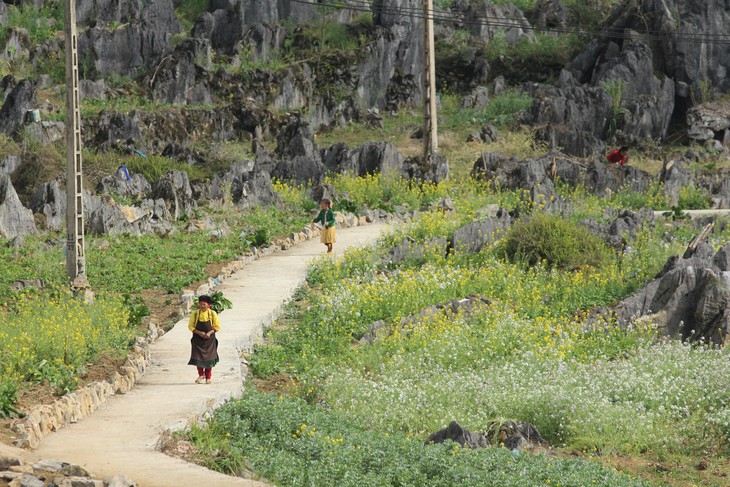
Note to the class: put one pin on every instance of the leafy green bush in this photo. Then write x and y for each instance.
(693, 198)
(502, 109)
(189, 10)
(555, 241)
(220, 302)
(8, 396)
(653, 197)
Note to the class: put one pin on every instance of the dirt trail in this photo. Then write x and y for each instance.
(120, 438)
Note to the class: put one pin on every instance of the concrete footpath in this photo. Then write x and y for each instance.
(120, 437)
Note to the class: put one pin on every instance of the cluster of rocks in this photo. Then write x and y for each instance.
(538, 175)
(630, 89)
(513, 435)
(16, 472)
(688, 299)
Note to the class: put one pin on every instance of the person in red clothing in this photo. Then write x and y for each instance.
(617, 156)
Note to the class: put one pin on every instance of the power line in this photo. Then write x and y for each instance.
(507, 22)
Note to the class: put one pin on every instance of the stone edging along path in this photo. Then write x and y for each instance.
(45, 419)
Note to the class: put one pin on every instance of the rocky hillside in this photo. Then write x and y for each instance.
(176, 79)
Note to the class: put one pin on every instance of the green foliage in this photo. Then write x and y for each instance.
(676, 213)
(51, 335)
(693, 198)
(187, 11)
(547, 53)
(615, 88)
(653, 197)
(168, 263)
(502, 109)
(137, 310)
(293, 443)
(8, 396)
(555, 241)
(220, 302)
(42, 24)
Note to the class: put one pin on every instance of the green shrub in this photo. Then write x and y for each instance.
(220, 302)
(502, 109)
(693, 198)
(8, 396)
(653, 197)
(555, 241)
(189, 10)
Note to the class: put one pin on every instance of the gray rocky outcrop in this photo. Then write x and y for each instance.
(455, 307)
(487, 134)
(109, 128)
(596, 176)
(416, 252)
(174, 188)
(45, 132)
(474, 236)
(710, 121)
(137, 187)
(689, 299)
(9, 164)
(103, 216)
(157, 129)
(674, 176)
(390, 70)
(245, 185)
(622, 230)
(95, 90)
(506, 19)
(124, 38)
(508, 434)
(49, 205)
(623, 95)
(476, 99)
(15, 219)
(515, 435)
(328, 111)
(297, 157)
(228, 24)
(458, 434)
(19, 99)
(16, 471)
(182, 77)
(415, 167)
(662, 76)
(17, 45)
(369, 158)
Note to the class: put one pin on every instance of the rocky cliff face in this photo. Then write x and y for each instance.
(249, 70)
(124, 38)
(660, 58)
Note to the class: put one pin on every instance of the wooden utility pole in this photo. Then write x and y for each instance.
(430, 124)
(75, 253)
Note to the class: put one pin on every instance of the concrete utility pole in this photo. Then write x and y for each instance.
(75, 253)
(430, 124)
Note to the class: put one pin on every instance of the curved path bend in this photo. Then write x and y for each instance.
(120, 437)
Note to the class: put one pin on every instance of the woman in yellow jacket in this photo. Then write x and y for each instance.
(204, 325)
